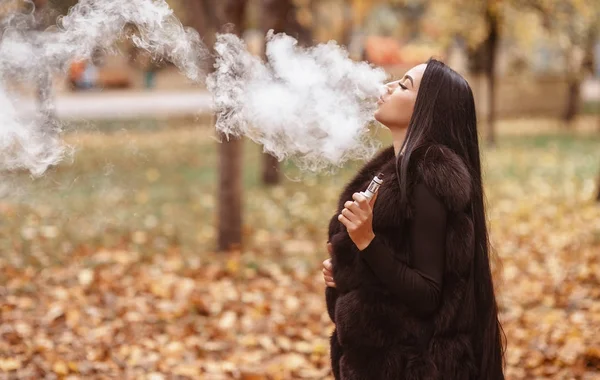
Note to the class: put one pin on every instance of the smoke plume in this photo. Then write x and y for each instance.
(32, 143)
(312, 105)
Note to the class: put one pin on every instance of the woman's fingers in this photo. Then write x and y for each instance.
(329, 281)
(362, 202)
(352, 217)
(327, 268)
(327, 274)
(354, 207)
(346, 222)
(372, 202)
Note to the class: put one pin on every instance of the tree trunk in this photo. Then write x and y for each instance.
(575, 74)
(490, 72)
(573, 85)
(42, 19)
(203, 16)
(348, 25)
(573, 100)
(230, 154)
(280, 15)
(274, 15)
(598, 194)
(44, 97)
(230, 194)
(270, 173)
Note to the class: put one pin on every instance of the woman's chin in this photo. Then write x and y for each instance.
(377, 115)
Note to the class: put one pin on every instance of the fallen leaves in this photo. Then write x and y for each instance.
(136, 293)
(9, 364)
(150, 319)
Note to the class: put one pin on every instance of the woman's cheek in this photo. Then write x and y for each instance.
(403, 108)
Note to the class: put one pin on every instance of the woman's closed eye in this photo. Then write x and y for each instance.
(402, 86)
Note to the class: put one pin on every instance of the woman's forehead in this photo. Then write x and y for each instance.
(417, 72)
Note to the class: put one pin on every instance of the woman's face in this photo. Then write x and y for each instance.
(396, 106)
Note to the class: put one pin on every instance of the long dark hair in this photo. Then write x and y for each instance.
(444, 113)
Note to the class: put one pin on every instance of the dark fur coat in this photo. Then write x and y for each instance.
(376, 336)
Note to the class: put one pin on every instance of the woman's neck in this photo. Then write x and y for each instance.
(398, 136)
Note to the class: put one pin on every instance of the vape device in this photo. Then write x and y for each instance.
(373, 186)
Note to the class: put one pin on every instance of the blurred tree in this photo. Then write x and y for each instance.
(230, 149)
(202, 16)
(598, 193)
(43, 18)
(43, 15)
(8, 7)
(61, 6)
(292, 17)
(360, 10)
(209, 17)
(477, 22)
(480, 24)
(484, 58)
(576, 24)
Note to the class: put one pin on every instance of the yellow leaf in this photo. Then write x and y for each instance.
(73, 366)
(86, 277)
(60, 368)
(9, 364)
(320, 349)
(233, 266)
(152, 175)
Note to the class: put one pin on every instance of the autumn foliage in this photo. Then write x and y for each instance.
(110, 274)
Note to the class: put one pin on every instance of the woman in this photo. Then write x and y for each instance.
(409, 285)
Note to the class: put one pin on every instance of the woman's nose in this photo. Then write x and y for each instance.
(390, 87)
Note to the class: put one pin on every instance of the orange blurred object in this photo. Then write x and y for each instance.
(76, 70)
(113, 78)
(383, 51)
(106, 77)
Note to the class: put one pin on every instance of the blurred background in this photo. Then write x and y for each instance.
(156, 252)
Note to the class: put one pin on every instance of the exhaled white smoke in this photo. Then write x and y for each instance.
(23, 143)
(25, 55)
(312, 105)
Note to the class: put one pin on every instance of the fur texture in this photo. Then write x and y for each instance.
(376, 336)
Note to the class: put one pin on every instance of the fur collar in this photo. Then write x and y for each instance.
(437, 166)
(446, 174)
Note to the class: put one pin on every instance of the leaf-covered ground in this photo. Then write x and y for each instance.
(107, 269)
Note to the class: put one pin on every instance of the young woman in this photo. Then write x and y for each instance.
(409, 285)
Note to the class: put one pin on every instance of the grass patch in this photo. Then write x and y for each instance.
(591, 108)
(153, 190)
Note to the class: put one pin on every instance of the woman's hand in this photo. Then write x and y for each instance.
(328, 269)
(357, 216)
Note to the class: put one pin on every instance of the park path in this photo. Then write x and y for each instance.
(125, 104)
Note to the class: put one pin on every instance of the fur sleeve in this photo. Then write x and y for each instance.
(446, 174)
(331, 296)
